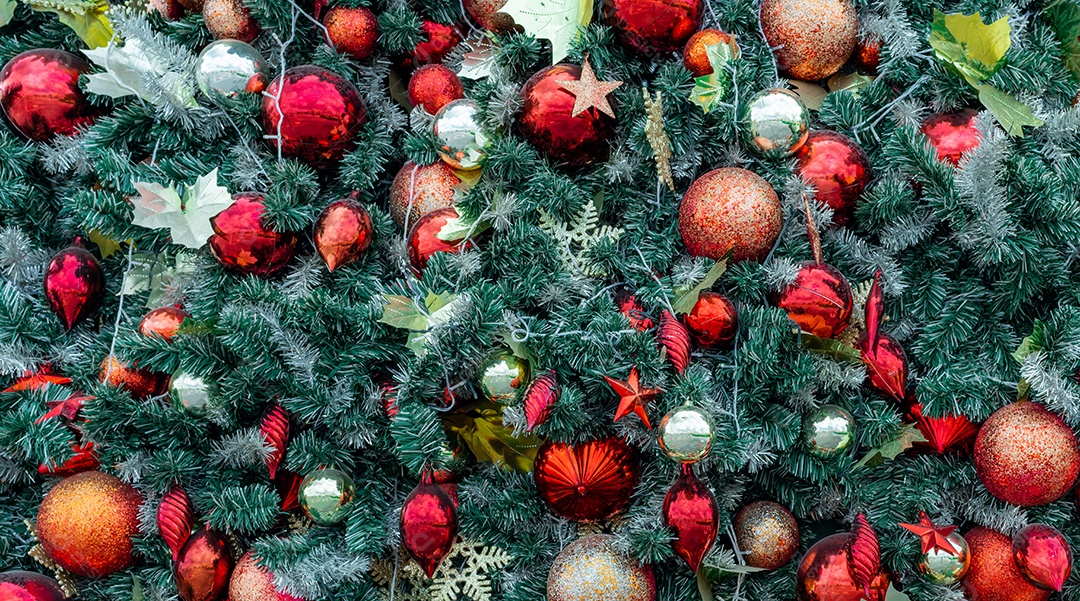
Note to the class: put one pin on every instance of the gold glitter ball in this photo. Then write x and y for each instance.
(592, 569)
(767, 533)
(730, 209)
(812, 39)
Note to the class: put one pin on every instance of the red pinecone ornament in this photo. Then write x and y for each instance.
(994, 575)
(243, 243)
(654, 26)
(837, 168)
(942, 434)
(343, 232)
(952, 134)
(74, 284)
(40, 94)
(353, 31)
(319, 114)
(433, 87)
(203, 567)
(540, 397)
(547, 120)
(713, 322)
(675, 340)
(175, 519)
(587, 482)
(819, 300)
(690, 511)
(275, 429)
(864, 553)
(1043, 556)
(884, 357)
(428, 524)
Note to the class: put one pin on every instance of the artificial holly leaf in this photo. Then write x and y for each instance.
(85, 17)
(554, 20)
(1064, 18)
(901, 441)
(187, 218)
(710, 90)
(156, 273)
(402, 312)
(1010, 113)
(685, 302)
(478, 61)
(128, 71)
(459, 228)
(7, 11)
(972, 47)
(811, 94)
(832, 348)
(482, 430)
(1031, 343)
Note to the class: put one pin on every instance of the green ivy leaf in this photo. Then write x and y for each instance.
(1032, 342)
(1012, 114)
(901, 441)
(685, 301)
(1064, 18)
(401, 312)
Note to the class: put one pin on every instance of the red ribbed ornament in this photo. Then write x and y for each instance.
(942, 434)
(674, 339)
(343, 232)
(994, 575)
(203, 567)
(243, 243)
(864, 553)
(885, 359)
(175, 519)
(433, 87)
(428, 524)
(713, 322)
(547, 120)
(319, 112)
(690, 511)
(74, 284)
(40, 94)
(819, 300)
(837, 168)
(275, 430)
(587, 482)
(1043, 556)
(654, 26)
(952, 134)
(540, 397)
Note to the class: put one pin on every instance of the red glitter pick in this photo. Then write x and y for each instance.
(933, 537)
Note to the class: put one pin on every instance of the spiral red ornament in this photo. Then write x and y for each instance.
(674, 339)
(175, 519)
(690, 511)
(586, 482)
(864, 553)
(274, 427)
(540, 397)
(428, 524)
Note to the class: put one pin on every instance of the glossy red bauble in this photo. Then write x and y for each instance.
(713, 322)
(691, 513)
(164, 322)
(1043, 556)
(242, 242)
(546, 121)
(74, 284)
(353, 31)
(252, 582)
(343, 232)
(18, 585)
(730, 209)
(695, 57)
(586, 482)
(837, 168)
(439, 41)
(203, 567)
(83, 459)
(1026, 455)
(994, 575)
(819, 300)
(825, 574)
(141, 383)
(433, 87)
(867, 55)
(40, 94)
(428, 524)
(229, 20)
(424, 239)
(654, 26)
(952, 134)
(319, 114)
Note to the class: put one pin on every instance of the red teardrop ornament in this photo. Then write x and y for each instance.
(587, 482)
(540, 396)
(819, 300)
(175, 518)
(1043, 556)
(242, 242)
(203, 567)
(690, 511)
(428, 524)
(275, 430)
(884, 357)
(74, 284)
(675, 340)
(343, 232)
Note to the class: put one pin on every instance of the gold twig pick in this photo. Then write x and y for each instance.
(658, 138)
(812, 232)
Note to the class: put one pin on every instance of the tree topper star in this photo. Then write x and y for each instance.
(633, 398)
(933, 537)
(590, 93)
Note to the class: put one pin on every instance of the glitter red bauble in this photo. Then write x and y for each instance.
(867, 55)
(40, 94)
(730, 209)
(595, 568)
(944, 433)
(819, 300)
(546, 121)
(767, 533)
(653, 26)
(251, 582)
(74, 284)
(713, 322)
(419, 189)
(18, 585)
(428, 524)
(837, 168)
(203, 568)
(952, 134)
(824, 574)
(694, 53)
(229, 20)
(812, 39)
(1043, 556)
(141, 383)
(1025, 455)
(343, 232)
(994, 575)
(690, 512)
(163, 321)
(486, 13)
(353, 31)
(433, 87)
(243, 243)
(586, 482)
(86, 522)
(319, 113)
(424, 239)
(439, 41)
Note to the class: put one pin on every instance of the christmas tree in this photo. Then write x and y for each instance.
(524, 299)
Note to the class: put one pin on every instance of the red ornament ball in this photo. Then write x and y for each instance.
(819, 300)
(546, 120)
(419, 189)
(767, 533)
(164, 322)
(694, 54)
(203, 567)
(486, 13)
(343, 232)
(631, 307)
(994, 575)
(18, 585)
(353, 31)
(229, 20)
(242, 242)
(713, 322)
(1025, 455)
(1043, 556)
(40, 94)
(141, 383)
(439, 41)
(824, 574)
(252, 582)
(653, 26)
(424, 240)
(433, 87)
(952, 134)
(867, 55)
(586, 482)
(730, 209)
(812, 39)
(837, 168)
(170, 10)
(319, 114)
(85, 524)
(74, 284)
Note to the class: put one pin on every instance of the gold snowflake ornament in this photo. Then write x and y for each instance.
(466, 572)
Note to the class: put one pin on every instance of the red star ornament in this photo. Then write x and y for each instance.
(590, 93)
(632, 397)
(933, 537)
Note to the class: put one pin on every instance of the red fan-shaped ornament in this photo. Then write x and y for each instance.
(586, 482)
(690, 511)
(864, 554)
(675, 340)
(884, 357)
(428, 523)
(275, 429)
(540, 397)
(175, 518)
(942, 434)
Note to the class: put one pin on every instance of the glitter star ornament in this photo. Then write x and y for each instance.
(932, 537)
(633, 398)
(593, 569)
(589, 92)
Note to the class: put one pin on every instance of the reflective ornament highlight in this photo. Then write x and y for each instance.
(433, 87)
(586, 482)
(319, 113)
(828, 431)
(228, 68)
(690, 512)
(203, 568)
(40, 94)
(819, 300)
(685, 434)
(343, 232)
(189, 393)
(74, 284)
(952, 134)
(229, 20)
(428, 524)
(546, 119)
(824, 574)
(994, 575)
(243, 244)
(424, 240)
(419, 189)
(713, 322)
(775, 123)
(812, 39)
(767, 534)
(730, 209)
(654, 26)
(251, 582)
(946, 567)
(1043, 556)
(327, 495)
(459, 135)
(593, 569)
(502, 376)
(352, 31)
(837, 168)
(19, 585)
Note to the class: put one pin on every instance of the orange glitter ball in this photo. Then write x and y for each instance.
(993, 575)
(730, 209)
(354, 31)
(812, 39)
(694, 57)
(429, 187)
(251, 582)
(85, 524)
